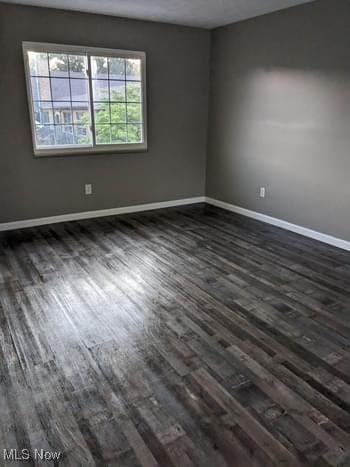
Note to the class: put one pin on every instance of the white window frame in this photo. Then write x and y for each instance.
(89, 51)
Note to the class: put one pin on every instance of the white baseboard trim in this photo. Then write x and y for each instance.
(338, 242)
(100, 213)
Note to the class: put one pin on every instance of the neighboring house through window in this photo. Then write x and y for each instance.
(85, 100)
(67, 116)
(45, 116)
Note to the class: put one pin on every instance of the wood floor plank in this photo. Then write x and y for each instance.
(181, 337)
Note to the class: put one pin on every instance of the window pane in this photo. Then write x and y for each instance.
(103, 135)
(101, 112)
(59, 110)
(133, 69)
(41, 89)
(67, 117)
(134, 113)
(117, 68)
(117, 91)
(45, 135)
(64, 135)
(118, 134)
(82, 134)
(134, 133)
(46, 116)
(100, 89)
(43, 112)
(133, 91)
(118, 113)
(80, 89)
(60, 89)
(99, 67)
(58, 65)
(81, 113)
(78, 66)
(38, 64)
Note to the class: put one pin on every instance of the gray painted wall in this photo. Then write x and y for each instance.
(178, 77)
(280, 115)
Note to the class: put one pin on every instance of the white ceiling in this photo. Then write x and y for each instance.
(202, 13)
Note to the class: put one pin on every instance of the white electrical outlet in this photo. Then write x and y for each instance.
(262, 192)
(88, 189)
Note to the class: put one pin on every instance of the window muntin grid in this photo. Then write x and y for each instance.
(77, 104)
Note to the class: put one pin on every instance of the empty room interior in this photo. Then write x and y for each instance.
(175, 233)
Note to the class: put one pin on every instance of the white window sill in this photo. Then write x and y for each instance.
(87, 150)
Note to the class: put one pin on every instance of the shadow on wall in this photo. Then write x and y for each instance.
(280, 115)
(288, 130)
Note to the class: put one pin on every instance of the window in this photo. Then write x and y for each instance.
(45, 116)
(67, 116)
(85, 100)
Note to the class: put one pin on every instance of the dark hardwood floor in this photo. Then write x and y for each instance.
(182, 337)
